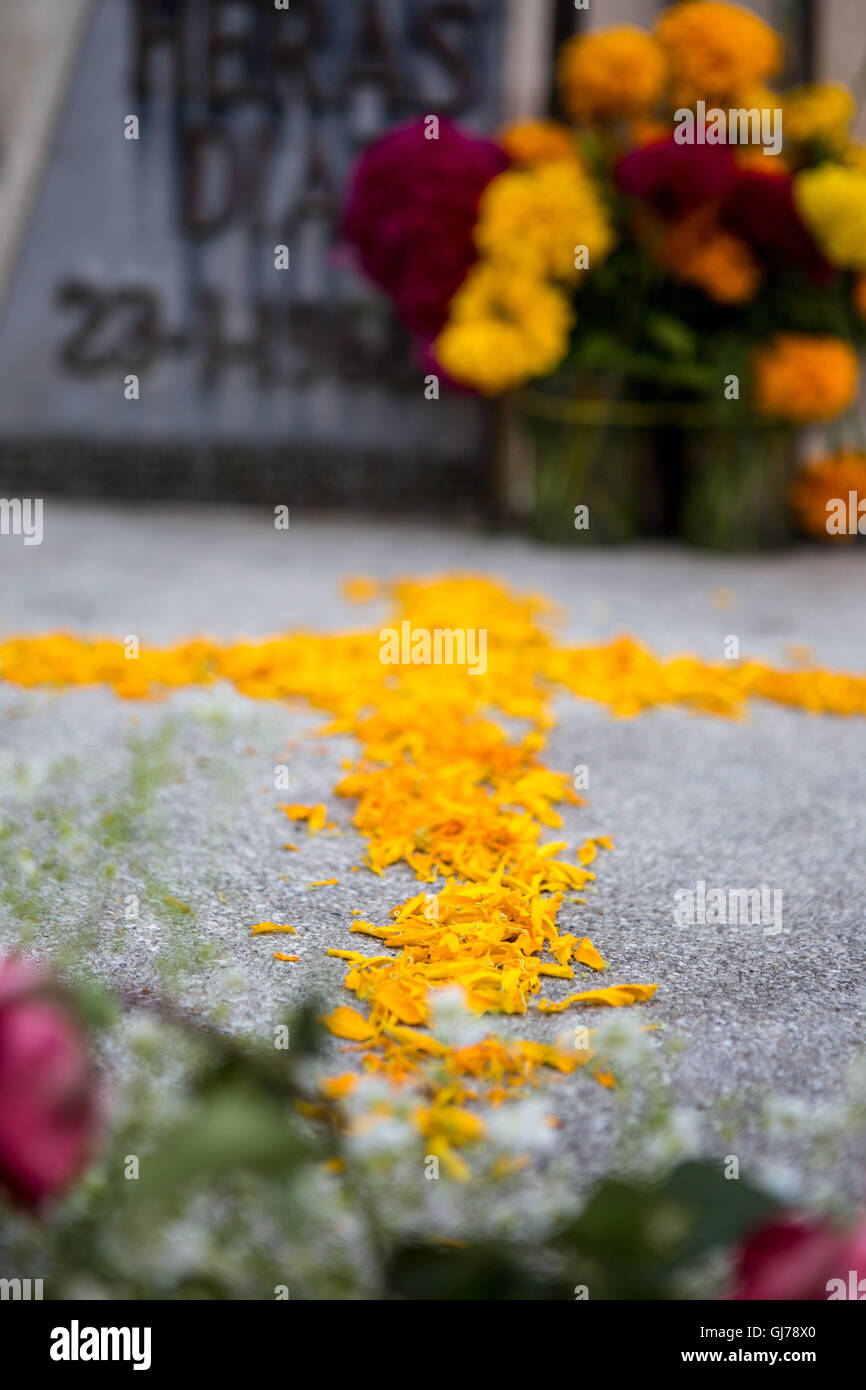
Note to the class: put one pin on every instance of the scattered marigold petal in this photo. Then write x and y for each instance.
(614, 995)
(348, 1023)
(443, 786)
(586, 954)
(337, 1087)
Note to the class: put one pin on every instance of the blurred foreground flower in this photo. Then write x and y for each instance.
(47, 1098)
(804, 1260)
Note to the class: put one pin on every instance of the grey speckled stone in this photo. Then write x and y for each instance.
(776, 800)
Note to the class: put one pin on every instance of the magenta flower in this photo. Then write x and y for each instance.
(410, 215)
(676, 178)
(803, 1260)
(761, 209)
(47, 1103)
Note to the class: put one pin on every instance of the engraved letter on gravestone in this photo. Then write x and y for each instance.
(155, 255)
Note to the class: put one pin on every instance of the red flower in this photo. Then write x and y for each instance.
(411, 212)
(677, 178)
(801, 1259)
(47, 1108)
(761, 210)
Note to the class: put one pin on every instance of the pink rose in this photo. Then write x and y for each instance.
(798, 1258)
(410, 215)
(47, 1105)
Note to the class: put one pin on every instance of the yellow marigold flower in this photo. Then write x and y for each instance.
(699, 252)
(610, 76)
(537, 142)
(504, 329)
(802, 378)
(760, 95)
(854, 156)
(716, 51)
(832, 202)
(820, 111)
(760, 157)
(531, 220)
(819, 488)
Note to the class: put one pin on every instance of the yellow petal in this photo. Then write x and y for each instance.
(348, 1023)
(586, 954)
(614, 995)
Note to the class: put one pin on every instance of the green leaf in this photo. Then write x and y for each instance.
(725, 1208)
(670, 334)
(94, 1004)
(481, 1272)
(235, 1128)
(636, 1237)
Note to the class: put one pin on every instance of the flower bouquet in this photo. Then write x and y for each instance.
(670, 283)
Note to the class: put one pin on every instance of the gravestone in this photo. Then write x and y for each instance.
(150, 254)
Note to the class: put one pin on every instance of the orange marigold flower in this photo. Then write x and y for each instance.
(699, 252)
(648, 132)
(610, 76)
(716, 51)
(822, 494)
(802, 378)
(537, 142)
(763, 161)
